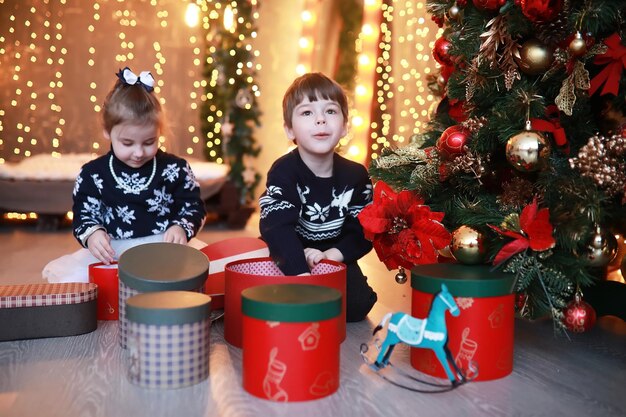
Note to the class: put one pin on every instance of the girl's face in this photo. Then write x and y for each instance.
(317, 127)
(134, 144)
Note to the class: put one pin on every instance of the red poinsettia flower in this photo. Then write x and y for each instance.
(403, 230)
(536, 233)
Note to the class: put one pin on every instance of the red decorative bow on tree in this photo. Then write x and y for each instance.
(552, 124)
(403, 230)
(615, 60)
(534, 230)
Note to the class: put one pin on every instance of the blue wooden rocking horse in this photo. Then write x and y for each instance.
(429, 333)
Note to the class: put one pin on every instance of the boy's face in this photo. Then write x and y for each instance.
(317, 126)
(134, 144)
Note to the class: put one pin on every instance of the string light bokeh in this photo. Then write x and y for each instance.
(58, 60)
(399, 90)
(391, 99)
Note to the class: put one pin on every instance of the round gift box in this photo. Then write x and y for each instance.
(168, 340)
(291, 341)
(482, 334)
(105, 277)
(156, 267)
(247, 273)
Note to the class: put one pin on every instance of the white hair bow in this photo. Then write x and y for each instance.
(130, 78)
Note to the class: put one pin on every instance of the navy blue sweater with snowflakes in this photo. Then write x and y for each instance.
(132, 202)
(300, 210)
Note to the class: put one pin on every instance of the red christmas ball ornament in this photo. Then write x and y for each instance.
(541, 11)
(579, 316)
(446, 72)
(441, 51)
(520, 301)
(488, 5)
(457, 110)
(452, 141)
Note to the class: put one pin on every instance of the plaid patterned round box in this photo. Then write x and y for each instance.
(168, 340)
(247, 273)
(291, 341)
(156, 267)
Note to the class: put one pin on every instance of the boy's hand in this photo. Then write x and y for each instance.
(313, 256)
(333, 254)
(175, 234)
(99, 244)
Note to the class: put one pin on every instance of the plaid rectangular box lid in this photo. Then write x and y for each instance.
(38, 295)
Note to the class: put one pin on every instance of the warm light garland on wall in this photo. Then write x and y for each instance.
(58, 59)
(306, 42)
(401, 97)
(367, 47)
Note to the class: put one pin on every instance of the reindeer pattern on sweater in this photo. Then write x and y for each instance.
(300, 210)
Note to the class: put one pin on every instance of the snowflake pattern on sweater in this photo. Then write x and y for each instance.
(172, 198)
(300, 210)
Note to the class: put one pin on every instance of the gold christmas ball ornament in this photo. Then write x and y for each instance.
(534, 57)
(600, 249)
(441, 80)
(616, 262)
(528, 151)
(467, 246)
(578, 46)
(454, 12)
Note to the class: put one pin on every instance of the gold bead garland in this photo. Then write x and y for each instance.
(602, 160)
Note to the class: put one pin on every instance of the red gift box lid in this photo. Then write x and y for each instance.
(229, 250)
(39, 295)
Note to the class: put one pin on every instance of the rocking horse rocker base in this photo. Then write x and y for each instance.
(428, 333)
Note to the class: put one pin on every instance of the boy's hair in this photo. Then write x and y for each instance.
(314, 86)
(131, 103)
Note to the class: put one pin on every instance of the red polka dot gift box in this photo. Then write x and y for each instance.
(263, 271)
(481, 337)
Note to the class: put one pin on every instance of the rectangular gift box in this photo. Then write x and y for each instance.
(32, 311)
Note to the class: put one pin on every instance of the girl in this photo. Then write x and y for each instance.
(134, 194)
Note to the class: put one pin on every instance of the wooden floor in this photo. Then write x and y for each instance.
(85, 375)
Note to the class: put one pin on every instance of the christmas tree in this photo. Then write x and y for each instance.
(230, 111)
(523, 165)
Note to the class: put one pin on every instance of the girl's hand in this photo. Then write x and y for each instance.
(99, 244)
(175, 234)
(313, 256)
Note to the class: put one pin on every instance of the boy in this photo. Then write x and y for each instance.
(313, 196)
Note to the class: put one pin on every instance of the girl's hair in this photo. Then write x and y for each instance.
(314, 86)
(131, 103)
